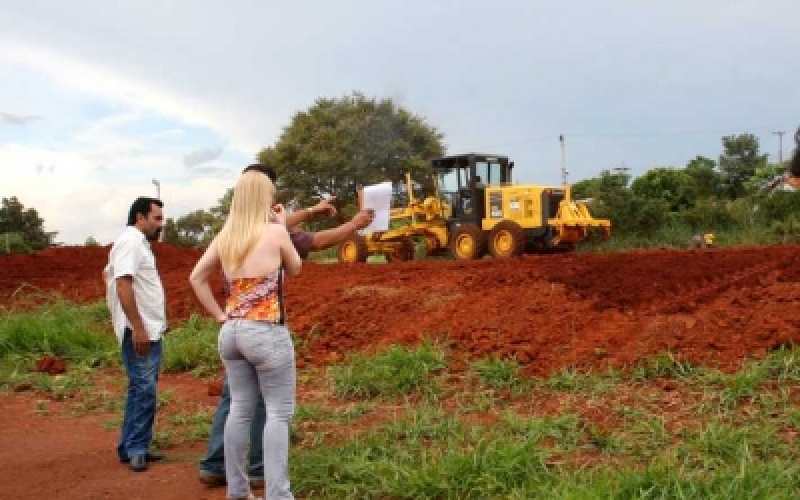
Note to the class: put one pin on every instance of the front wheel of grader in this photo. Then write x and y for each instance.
(353, 249)
(468, 242)
(506, 239)
(404, 249)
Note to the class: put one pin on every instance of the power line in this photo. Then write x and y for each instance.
(631, 135)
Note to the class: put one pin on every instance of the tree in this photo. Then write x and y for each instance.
(15, 218)
(194, 229)
(739, 162)
(674, 186)
(605, 186)
(706, 179)
(223, 207)
(706, 213)
(339, 145)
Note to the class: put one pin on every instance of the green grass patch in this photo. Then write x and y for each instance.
(571, 380)
(500, 373)
(664, 365)
(76, 333)
(400, 370)
(192, 347)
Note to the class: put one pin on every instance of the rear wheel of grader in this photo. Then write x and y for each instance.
(506, 239)
(403, 250)
(353, 249)
(468, 242)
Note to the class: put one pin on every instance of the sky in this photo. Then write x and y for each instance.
(98, 99)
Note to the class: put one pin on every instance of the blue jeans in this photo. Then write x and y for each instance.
(141, 401)
(214, 461)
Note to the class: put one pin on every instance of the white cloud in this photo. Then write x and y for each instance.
(200, 156)
(169, 134)
(73, 200)
(17, 119)
(138, 93)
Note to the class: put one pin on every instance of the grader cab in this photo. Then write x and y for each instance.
(476, 209)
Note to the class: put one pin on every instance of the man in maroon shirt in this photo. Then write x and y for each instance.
(212, 467)
(794, 165)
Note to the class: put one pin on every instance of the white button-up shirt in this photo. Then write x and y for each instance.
(131, 255)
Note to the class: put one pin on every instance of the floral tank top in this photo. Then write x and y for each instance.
(257, 299)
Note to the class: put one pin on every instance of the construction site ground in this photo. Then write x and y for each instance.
(580, 311)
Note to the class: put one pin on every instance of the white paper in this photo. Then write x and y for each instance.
(377, 197)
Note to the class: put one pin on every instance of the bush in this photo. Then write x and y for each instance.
(14, 243)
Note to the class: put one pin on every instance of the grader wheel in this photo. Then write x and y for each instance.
(506, 239)
(468, 242)
(403, 250)
(353, 249)
(432, 246)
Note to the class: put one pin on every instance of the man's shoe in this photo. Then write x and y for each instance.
(152, 456)
(212, 480)
(139, 463)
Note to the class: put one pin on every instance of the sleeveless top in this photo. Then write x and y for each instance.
(257, 299)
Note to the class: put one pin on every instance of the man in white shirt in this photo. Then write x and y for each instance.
(136, 301)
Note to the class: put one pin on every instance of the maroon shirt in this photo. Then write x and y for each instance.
(302, 241)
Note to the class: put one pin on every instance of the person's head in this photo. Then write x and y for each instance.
(264, 169)
(253, 198)
(146, 215)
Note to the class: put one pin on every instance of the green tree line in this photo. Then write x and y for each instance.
(735, 195)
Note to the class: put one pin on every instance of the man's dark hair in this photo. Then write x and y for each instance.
(794, 163)
(264, 169)
(142, 205)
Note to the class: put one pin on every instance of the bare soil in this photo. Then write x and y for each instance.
(715, 307)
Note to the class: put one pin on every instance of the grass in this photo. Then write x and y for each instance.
(192, 347)
(74, 333)
(395, 372)
(499, 373)
(399, 424)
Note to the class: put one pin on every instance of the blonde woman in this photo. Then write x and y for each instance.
(255, 251)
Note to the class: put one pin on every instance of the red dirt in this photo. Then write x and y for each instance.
(51, 365)
(58, 455)
(589, 311)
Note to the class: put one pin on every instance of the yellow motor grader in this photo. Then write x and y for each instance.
(476, 209)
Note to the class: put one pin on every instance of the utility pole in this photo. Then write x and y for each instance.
(621, 173)
(563, 160)
(158, 189)
(780, 133)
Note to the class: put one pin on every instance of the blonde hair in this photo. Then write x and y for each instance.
(253, 197)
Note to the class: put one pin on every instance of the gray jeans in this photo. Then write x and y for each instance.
(258, 355)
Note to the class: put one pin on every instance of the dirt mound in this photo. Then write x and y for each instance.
(51, 365)
(550, 312)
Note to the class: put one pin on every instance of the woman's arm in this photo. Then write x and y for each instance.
(199, 279)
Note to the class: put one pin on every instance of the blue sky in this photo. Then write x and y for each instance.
(114, 94)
